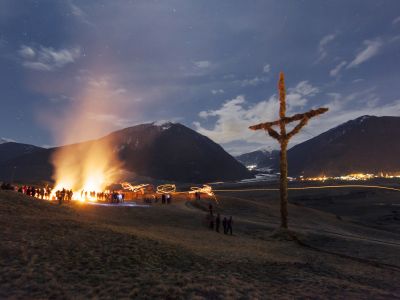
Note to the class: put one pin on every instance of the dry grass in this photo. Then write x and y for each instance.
(164, 252)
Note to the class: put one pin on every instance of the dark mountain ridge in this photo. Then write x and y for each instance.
(10, 150)
(367, 144)
(169, 151)
(259, 159)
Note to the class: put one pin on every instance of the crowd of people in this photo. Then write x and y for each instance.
(41, 193)
(166, 199)
(46, 193)
(214, 222)
(64, 195)
(6, 187)
(111, 197)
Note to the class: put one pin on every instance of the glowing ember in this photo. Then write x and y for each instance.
(206, 189)
(134, 188)
(166, 189)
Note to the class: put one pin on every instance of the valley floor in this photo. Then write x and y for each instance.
(167, 252)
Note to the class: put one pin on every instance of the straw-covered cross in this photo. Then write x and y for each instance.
(283, 138)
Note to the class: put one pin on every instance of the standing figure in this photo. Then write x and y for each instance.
(217, 223)
(224, 224)
(59, 198)
(229, 226)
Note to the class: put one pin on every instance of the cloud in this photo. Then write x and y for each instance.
(47, 59)
(27, 52)
(304, 88)
(253, 81)
(61, 98)
(79, 13)
(297, 95)
(371, 49)
(235, 116)
(202, 64)
(323, 43)
(336, 70)
(395, 38)
(396, 20)
(267, 68)
(219, 91)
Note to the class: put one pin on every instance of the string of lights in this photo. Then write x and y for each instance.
(206, 189)
(313, 187)
(133, 188)
(166, 189)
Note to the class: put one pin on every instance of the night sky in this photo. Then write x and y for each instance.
(211, 65)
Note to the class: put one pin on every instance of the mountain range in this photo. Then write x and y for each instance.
(262, 160)
(367, 144)
(174, 152)
(169, 151)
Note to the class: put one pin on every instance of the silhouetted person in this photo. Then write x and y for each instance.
(210, 208)
(59, 198)
(229, 224)
(217, 223)
(224, 224)
(163, 198)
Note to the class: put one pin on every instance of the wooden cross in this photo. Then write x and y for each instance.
(283, 138)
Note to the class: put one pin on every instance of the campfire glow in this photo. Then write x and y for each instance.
(85, 170)
(89, 166)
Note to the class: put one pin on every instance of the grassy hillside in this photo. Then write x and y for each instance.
(166, 252)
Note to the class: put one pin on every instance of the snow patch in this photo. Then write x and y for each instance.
(164, 125)
(363, 118)
(6, 140)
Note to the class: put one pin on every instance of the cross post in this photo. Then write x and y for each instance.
(283, 138)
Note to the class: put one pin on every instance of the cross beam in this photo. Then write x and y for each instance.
(283, 138)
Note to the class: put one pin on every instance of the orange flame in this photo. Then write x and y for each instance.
(88, 166)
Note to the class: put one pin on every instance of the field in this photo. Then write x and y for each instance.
(347, 246)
